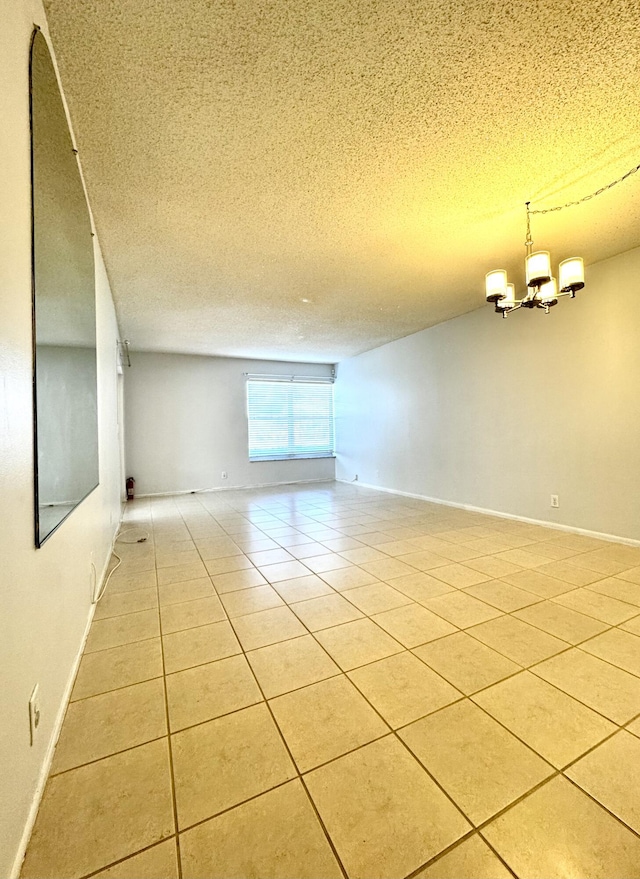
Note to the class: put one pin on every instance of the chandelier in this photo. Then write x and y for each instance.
(543, 290)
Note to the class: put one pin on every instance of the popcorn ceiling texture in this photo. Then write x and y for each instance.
(371, 157)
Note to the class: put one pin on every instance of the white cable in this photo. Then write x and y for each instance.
(106, 582)
(128, 531)
(113, 553)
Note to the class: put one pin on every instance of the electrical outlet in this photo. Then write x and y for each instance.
(555, 503)
(224, 474)
(34, 712)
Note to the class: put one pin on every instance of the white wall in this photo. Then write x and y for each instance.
(500, 414)
(186, 423)
(44, 593)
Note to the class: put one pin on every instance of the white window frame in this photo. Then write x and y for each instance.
(291, 454)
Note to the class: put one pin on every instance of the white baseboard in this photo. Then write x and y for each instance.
(557, 526)
(234, 487)
(55, 732)
(48, 759)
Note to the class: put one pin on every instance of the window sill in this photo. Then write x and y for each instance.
(291, 458)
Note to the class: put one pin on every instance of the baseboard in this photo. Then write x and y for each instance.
(557, 526)
(234, 487)
(57, 727)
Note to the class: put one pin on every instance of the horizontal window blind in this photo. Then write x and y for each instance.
(289, 419)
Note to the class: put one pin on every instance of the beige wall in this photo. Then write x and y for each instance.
(186, 423)
(500, 414)
(45, 593)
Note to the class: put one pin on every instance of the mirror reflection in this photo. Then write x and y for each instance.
(65, 380)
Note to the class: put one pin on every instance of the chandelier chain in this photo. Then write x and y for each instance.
(602, 189)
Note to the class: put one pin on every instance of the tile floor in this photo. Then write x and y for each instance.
(329, 681)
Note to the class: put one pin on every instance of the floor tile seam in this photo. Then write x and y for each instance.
(594, 799)
(327, 835)
(531, 669)
(127, 613)
(475, 692)
(469, 631)
(590, 615)
(307, 598)
(370, 614)
(593, 748)
(335, 570)
(185, 580)
(456, 631)
(607, 626)
(164, 605)
(604, 594)
(172, 781)
(483, 824)
(225, 619)
(437, 783)
(608, 661)
(491, 717)
(502, 610)
(145, 680)
(112, 592)
(446, 851)
(622, 625)
(628, 723)
(462, 628)
(290, 754)
(116, 646)
(297, 689)
(302, 773)
(104, 757)
(403, 649)
(175, 732)
(506, 583)
(128, 857)
(497, 855)
(531, 747)
(253, 613)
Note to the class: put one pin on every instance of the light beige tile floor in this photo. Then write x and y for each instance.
(328, 681)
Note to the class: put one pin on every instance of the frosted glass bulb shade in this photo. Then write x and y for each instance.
(496, 285)
(509, 300)
(538, 268)
(571, 274)
(548, 294)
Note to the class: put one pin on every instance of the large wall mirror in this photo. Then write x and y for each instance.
(64, 310)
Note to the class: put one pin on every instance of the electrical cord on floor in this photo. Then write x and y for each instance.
(128, 531)
(119, 537)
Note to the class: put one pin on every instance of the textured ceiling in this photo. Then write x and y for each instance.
(243, 156)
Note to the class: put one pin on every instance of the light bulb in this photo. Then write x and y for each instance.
(548, 294)
(538, 268)
(571, 274)
(496, 285)
(509, 300)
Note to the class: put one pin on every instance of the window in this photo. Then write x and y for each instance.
(289, 419)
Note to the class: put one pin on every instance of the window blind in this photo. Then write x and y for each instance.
(289, 419)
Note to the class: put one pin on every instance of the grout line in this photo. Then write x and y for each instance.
(169, 742)
(291, 757)
(128, 857)
(497, 854)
